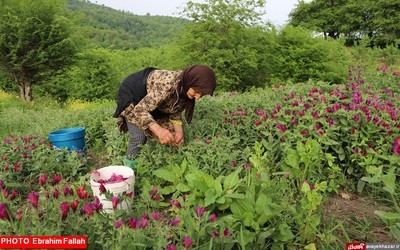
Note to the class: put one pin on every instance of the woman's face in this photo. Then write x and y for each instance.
(192, 94)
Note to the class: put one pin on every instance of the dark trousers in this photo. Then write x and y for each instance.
(136, 140)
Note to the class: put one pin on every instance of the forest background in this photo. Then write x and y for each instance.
(79, 50)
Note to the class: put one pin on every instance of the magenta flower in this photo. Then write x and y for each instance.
(89, 208)
(170, 247)
(115, 201)
(142, 222)
(175, 222)
(156, 216)
(56, 179)
(187, 241)
(257, 123)
(119, 223)
(227, 232)
(200, 211)
(64, 210)
(3, 212)
(56, 193)
(5, 193)
(281, 127)
(133, 223)
(212, 218)
(176, 203)
(34, 199)
(396, 147)
(74, 205)
(233, 164)
(214, 234)
(43, 179)
(13, 194)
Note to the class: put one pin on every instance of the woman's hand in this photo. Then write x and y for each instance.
(164, 135)
(178, 141)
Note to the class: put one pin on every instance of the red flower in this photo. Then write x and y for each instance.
(119, 223)
(396, 147)
(3, 212)
(170, 247)
(42, 179)
(56, 193)
(214, 234)
(213, 218)
(64, 210)
(13, 194)
(115, 201)
(226, 232)
(56, 179)
(156, 216)
(34, 199)
(74, 205)
(188, 242)
(89, 208)
(176, 203)
(200, 211)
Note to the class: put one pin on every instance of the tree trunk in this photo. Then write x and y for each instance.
(25, 87)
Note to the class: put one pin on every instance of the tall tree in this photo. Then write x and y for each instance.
(228, 36)
(319, 15)
(356, 19)
(35, 41)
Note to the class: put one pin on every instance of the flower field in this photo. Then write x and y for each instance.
(256, 172)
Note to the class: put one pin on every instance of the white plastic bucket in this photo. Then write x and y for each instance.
(117, 189)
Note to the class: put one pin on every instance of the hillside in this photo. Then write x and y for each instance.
(110, 28)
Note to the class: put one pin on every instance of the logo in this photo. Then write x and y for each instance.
(356, 246)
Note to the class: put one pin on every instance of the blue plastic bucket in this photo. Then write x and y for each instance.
(70, 138)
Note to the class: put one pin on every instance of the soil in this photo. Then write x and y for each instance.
(356, 212)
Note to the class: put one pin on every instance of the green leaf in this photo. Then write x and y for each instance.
(231, 180)
(390, 181)
(166, 174)
(388, 217)
(209, 197)
(395, 231)
(360, 185)
(292, 158)
(182, 187)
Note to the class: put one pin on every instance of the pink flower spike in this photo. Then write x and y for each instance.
(188, 242)
(119, 223)
(34, 199)
(396, 147)
(56, 179)
(214, 235)
(176, 203)
(213, 218)
(3, 212)
(156, 216)
(226, 232)
(64, 210)
(200, 211)
(175, 222)
(170, 247)
(42, 179)
(115, 201)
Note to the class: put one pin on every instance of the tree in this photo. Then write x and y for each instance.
(227, 35)
(34, 42)
(376, 19)
(319, 15)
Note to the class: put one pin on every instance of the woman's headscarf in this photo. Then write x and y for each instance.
(199, 77)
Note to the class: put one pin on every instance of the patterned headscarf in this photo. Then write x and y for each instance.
(199, 77)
